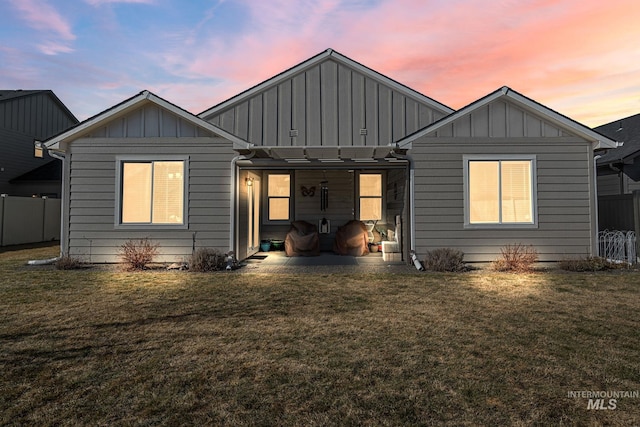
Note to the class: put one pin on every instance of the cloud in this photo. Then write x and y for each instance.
(43, 17)
(454, 51)
(101, 2)
(54, 48)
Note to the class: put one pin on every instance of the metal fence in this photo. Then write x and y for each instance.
(28, 220)
(618, 246)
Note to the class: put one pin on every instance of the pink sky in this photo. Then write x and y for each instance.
(579, 57)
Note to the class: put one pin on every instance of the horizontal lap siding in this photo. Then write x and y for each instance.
(92, 232)
(563, 200)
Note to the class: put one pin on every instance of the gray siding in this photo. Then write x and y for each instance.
(565, 211)
(609, 185)
(328, 104)
(91, 210)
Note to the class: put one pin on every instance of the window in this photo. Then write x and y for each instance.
(279, 197)
(499, 191)
(152, 192)
(370, 196)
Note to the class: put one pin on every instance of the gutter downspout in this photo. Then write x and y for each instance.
(63, 241)
(595, 195)
(412, 217)
(64, 246)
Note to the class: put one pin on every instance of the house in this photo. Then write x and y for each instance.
(328, 141)
(25, 116)
(619, 169)
(619, 177)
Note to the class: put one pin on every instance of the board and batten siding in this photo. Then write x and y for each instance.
(92, 182)
(36, 114)
(564, 163)
(329, 104)
(23, 119)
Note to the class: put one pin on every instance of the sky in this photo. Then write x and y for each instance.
(578, 57)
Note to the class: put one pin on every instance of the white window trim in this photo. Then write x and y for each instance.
(534, 190)
(265, 192)
(383, 196)
(120, 160)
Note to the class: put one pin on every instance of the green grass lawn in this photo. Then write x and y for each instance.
(89, 347)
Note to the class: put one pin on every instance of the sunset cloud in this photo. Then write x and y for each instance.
(44, 18)
(101, 2)
(580, 57)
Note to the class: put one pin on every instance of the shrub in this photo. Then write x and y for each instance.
(590, 263)
(444, 259)
(516, 258)
(137, 253)
(67, 262)
(207, 259)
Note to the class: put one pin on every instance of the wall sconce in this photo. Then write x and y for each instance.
(249, 182)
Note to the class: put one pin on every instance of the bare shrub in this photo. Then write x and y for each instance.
(445, 259)
(67, 262)
(517, 257)
(207, 259)
(138, 253)
(590, 263)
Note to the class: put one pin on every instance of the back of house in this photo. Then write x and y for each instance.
(326, 142)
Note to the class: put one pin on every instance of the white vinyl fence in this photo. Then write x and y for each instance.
(28, 220)
(618, 246)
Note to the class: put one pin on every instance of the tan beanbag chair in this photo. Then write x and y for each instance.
(302, 240)
(352, 239)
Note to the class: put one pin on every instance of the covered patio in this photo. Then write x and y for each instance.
(329, 262)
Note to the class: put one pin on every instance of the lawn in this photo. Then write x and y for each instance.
(90, 347)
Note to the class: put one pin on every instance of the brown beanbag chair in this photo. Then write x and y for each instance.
(352, 239)
(302, 240)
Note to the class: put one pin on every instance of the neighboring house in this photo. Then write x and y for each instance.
(27, 116)
(502, 170)
(619, 177)
(619, 169)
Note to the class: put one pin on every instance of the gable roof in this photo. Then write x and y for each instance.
(626, 130)
(598, 140)
(131, 104)
(6, 95)
(313, 61)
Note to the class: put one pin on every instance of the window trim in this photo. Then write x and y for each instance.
(534, 191)
(382, 197)
(267, 198)
(120, 160)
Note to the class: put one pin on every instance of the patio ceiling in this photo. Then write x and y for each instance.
(327, 154)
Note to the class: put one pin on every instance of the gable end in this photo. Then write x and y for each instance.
(148, 121)
(500, 119)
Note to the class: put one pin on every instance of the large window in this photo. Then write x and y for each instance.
(500, 191)
(279, 197)
(370, 196)
(152, 192)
